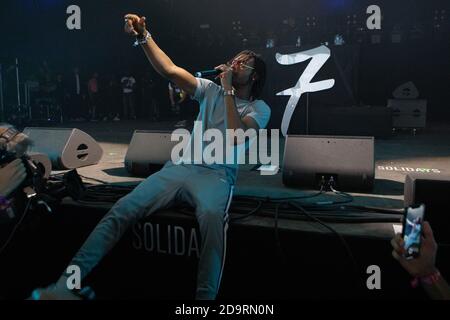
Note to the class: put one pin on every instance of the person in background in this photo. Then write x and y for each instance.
(150, 106)
(112, 96)
(128, 82)
(75, 110)
(60, 96)
(93, 95)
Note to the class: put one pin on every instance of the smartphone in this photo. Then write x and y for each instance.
(412, 230)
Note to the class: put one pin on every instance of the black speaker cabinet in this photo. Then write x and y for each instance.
(407, 113)
(148, 151)
(349, 160)
(434, 191)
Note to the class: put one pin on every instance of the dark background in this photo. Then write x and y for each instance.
(35, 31)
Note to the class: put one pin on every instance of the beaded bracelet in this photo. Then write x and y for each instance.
(429, 279)
(142, 39)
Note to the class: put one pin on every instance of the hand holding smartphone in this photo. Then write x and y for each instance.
(412, 230)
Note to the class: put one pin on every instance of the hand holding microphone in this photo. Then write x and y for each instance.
(223, 71)
(226, 76)
(207, 73)
(212, 72)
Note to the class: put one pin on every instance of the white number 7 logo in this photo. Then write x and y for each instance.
(318, 57)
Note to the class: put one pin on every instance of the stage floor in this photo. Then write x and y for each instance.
(428, 150)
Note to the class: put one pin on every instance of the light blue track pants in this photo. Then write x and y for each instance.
(209, 190)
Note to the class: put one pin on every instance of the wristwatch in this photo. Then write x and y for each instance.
(228, 92)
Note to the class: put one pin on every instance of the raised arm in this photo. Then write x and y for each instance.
(136, 26)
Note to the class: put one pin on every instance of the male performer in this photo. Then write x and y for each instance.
(207, 187)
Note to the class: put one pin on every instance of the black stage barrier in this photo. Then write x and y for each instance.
(305, 261)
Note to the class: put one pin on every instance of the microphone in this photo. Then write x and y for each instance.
(208, 73)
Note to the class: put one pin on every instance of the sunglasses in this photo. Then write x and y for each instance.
(240, 64)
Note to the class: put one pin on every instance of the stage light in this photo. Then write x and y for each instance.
(270, 43)
(339, 40)
(439, 19)
(375, 38)
(236, 25)
(396, 34)
(417, 32)
(237, 28)
(360, 34)
(352, 19)
(311, 22)
(355, 31)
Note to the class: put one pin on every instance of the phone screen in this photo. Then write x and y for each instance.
(412, 230)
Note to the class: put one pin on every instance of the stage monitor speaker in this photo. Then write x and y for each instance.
(408, 113)
(148, 151)
(67, 148)
(42, 161)
(434, 191)
(349, 160)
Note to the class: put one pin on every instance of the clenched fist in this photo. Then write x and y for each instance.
(135, 25)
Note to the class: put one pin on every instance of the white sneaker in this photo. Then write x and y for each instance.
(116, 118)
(53, 292)
(59, 291)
